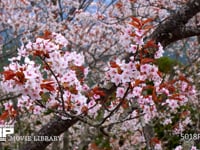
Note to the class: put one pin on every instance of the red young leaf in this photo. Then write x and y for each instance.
(47, 84)
(20, 77)
(9, 74)
(137, 82)
(154, 96)
(70, 88)
(155, 140)
(23, 1)
(93, 146)
(47, 35)
(150, 43)
(69, 105)
(4, 115)
(79, 72)
(119, 5)
(135, 24)
(184, 114)
(147, 27)
(159, 73)
(147, 60)
(136, 20)
(84, 109)
(73, 90)
(175, 97)
(147, 21)
(98, 91)
(171, 88)
(13, 113)
(40, 53)
(114, 64)
(183, 78)
(125, 104)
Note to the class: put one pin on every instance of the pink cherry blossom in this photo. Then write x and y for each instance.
(193, 148)
(179, 147)
(120, 92)
(160, 51)
(132, 49)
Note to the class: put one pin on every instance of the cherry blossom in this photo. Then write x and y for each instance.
(193, 148)
(120, 92)
(49, 72)
(160, 52)
(179, 147)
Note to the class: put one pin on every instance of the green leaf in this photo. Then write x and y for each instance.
(166, 64)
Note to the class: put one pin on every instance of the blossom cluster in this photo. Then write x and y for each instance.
(54, 82)
(140, 83)
(49, 77)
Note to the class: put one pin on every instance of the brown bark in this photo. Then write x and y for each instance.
(173, 28)
(54, 127)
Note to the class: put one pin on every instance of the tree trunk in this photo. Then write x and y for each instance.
(66, 140)
(55, 127)
(173, 28)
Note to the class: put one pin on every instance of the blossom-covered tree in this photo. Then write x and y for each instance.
(100, 68)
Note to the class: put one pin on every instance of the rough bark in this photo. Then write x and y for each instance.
(54, 127)
(184, 32)
(66, 140)
(171, 30)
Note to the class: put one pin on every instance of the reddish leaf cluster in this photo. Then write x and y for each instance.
(40, 53)
(115, 65)
(119, 5)
(96, 90)
(71, 88)
(8, 113)
(8, 74)
(69, 105)
(150, 44)
(48, 85)
(140, 24)
(18, 76)
(79, 70)
(147, 60)
(46, 35)
(155, 140)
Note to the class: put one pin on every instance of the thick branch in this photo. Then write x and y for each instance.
(167, 30)
(182, 33)
(8, 97)
(54, 128)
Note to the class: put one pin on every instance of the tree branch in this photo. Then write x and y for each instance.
(8, 97)
(54, 128)
(167, 30)
(182, 33)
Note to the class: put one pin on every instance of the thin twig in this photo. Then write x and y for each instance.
(116, 108)
(10, 97)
